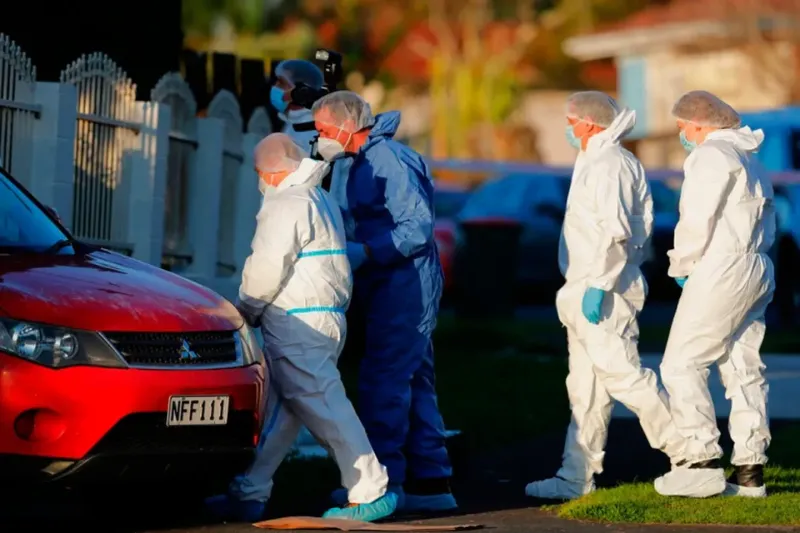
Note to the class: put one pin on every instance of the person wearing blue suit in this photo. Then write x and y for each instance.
(387, 201)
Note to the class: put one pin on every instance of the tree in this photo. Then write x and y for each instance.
(474, 86)
(199, 16)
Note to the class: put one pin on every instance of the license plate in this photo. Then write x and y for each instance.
(198, 410)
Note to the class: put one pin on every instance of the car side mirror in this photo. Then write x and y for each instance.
(53, 213)
(550, 211)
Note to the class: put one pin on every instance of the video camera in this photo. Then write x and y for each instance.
(330, 63)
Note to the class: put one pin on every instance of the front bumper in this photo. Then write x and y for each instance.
(140, 448)
(114, 421)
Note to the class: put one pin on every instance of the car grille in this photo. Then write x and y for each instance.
(148, 433)
(176, 349)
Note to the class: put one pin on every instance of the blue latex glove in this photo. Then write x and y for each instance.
(592, 304)
(681, 281)
(356, 254)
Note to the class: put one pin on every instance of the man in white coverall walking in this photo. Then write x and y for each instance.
(296, 285)
(726, 228)
(608, 221)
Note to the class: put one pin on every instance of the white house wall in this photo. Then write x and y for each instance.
(653, 82)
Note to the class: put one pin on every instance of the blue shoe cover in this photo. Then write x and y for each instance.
(434, 502)
(383, 507)
(224, 507)
(339, 496)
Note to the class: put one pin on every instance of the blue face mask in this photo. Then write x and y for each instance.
(277, 101)
(686, 143)
(571, 138)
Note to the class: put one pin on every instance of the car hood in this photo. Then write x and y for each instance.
(103, 291)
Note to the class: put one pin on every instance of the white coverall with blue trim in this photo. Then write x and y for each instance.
(297, 285)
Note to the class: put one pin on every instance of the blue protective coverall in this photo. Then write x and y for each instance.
(390, 209)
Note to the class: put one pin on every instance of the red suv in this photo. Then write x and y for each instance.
(112, 369)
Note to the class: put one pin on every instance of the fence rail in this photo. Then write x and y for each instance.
(106, 133)
(18, 108)
(152, 180)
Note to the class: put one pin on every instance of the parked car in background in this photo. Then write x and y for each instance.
(113, 369)
(536, 201)
(786, 252)
(448, 201)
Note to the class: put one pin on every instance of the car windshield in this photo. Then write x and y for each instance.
(503, 197)
(24, 227)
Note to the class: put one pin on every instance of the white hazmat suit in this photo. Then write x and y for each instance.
(305, 138)
(297, 284)
(608, 221)
(726, 228)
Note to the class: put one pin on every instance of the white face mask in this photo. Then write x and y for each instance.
(329, 149)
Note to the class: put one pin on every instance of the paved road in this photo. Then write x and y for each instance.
(529, 521)
(490, 490)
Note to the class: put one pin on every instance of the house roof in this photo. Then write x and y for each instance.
(677, 22)
(681, 11)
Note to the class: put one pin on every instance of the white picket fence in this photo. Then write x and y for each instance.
(151, 179)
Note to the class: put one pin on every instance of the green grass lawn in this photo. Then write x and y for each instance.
(639, 503)
(490, 381)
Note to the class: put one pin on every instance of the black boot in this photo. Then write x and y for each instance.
(747, 481)
(428, 487)
(711, 463)
(426, 495)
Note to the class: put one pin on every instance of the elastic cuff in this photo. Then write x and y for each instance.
(756, 459)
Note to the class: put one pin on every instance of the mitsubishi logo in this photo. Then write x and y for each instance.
(186, 353)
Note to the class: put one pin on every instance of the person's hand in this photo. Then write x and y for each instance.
(252, 319)
(592, 304)
(681, 281)
(356, 254)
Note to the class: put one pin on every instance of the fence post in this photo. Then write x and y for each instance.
(53, 150)
(148, 183)
(154, 156)
(204, 199)
(248, 202)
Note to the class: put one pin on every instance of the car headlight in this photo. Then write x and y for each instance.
(54, 346)
(248, 345)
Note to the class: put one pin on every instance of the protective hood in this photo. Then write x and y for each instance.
(310, 172)
(297, 116)
(618, 129)
(385, 127)
(744, 138)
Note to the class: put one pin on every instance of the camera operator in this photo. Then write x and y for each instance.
(298, 84)
(299, 124)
